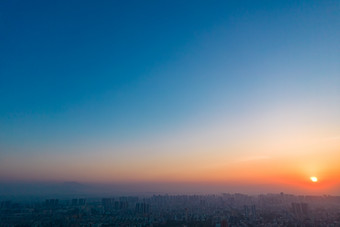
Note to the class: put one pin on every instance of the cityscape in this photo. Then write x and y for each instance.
(176, 210)
(151, 113)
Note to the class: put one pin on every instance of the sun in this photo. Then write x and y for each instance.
(314, 179)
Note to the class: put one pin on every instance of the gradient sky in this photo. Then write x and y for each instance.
(239, 92)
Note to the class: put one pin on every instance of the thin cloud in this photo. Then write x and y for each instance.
(253, 158)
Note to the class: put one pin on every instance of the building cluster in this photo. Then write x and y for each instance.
(175, 210)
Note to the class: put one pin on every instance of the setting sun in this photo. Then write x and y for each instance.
(314, 179)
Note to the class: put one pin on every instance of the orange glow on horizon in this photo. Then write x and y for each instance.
(251, 165)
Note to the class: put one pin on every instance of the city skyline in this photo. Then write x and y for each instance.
(222, 94)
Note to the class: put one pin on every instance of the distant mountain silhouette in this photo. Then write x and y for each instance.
(72, 187)
(42, 188)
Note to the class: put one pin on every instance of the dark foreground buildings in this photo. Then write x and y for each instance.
(175, 210)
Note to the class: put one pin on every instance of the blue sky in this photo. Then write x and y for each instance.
(86, 73)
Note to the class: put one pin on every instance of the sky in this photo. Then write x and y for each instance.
(176, 92)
